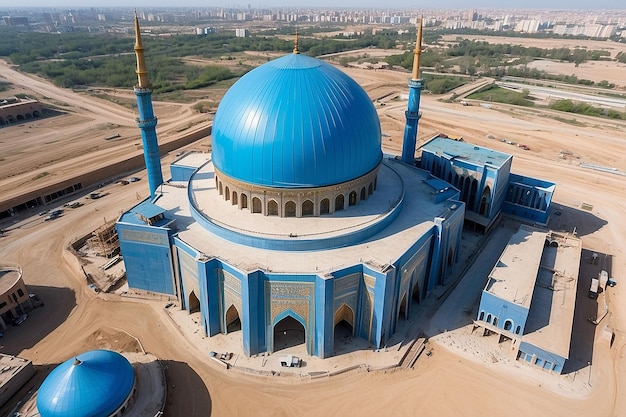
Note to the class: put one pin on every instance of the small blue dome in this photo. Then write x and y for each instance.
(296, 122)
(94, 384)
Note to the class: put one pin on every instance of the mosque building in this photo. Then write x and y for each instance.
(297, 221)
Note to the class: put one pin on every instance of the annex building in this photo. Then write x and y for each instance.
(488, 187)
(530, 295)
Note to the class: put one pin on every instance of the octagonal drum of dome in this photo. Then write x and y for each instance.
(95, 384)
(296, 122)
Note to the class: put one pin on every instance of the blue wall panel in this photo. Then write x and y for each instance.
(503, 310)
(146, 252)
(542, 357)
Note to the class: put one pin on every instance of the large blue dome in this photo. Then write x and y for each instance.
(94, 384)
(296, 122)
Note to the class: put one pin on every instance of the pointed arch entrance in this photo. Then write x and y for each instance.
(256, 205)
(403, 312)
(339, 202)
(325, 206)
(288, 332)
(193, 304)
(485, 202)
(343, 327)
(415, 294)
(232, 320)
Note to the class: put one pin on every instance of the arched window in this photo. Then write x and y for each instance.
(518, 329)
(307, 208)
(370, 189)
(272, 208)
(290, 209)
(325, 206)
(217, 182)
(221, 191)
(227, 193)
(363, 193)
(352, 198)
(508, 325)
(485, 202)
(488, 318)
(256, 205)
(481, 316)
(235, 198)
(339, 202)
(472, 195)
(466, 187)
(244, 201)
(495, 321)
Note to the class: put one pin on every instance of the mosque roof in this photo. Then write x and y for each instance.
(474, 154)
(296, 122)
(94, 384)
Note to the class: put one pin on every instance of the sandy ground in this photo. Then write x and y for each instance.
(76, 138)
(450, 382)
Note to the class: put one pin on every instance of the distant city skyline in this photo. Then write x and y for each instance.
(361, 4)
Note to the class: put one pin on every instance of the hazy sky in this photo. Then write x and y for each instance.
(425, 4)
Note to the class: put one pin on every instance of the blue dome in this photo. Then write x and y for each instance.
(94, 384)
(296, 122)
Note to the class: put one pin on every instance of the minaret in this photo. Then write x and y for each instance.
(413, 111)
(147, 121)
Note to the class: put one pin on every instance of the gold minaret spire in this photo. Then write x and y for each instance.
(295, 47)
(142, 73)
(417, 52)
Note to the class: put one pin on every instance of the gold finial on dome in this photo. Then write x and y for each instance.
(417, 52)
(295, 47)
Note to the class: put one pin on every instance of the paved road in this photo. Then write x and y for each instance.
(562, 94)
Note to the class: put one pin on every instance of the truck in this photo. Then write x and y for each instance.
(593, 290)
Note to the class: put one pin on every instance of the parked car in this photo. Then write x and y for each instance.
(20, 319)
(134, 179)
(122, 182)
(51, 216)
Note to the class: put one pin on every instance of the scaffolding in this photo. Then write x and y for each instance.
(105, 241)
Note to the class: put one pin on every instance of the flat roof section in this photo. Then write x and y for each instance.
(415, 219)
(549, 324)
(9, 275)
(192, 159)
(14, 373)
(466, 151)
(513, 277)
(387, 195)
